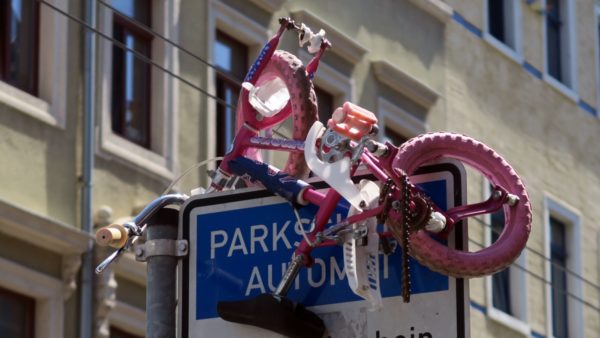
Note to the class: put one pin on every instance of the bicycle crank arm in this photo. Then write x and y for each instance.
(499, 197)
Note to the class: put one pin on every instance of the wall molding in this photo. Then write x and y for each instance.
(405, 83)
(437, 8)
(42, 231)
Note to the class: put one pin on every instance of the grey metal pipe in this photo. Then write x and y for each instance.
(87, 273)
(161, 285)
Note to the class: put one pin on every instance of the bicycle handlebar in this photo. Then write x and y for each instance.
(123, 236)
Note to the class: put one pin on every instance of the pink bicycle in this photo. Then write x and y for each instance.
(277, 87)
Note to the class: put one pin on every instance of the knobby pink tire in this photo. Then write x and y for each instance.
(511, 242)
(303, 101)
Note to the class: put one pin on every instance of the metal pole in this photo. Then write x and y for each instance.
(87, 274)
(161, 276)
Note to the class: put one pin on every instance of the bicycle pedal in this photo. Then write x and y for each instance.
(277, 314)
(387, 246)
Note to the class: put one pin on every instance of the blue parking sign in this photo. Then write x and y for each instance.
(241, 243)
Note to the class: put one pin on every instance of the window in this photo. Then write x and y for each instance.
(325, 103)
(230, 56)
(17, 315)
(506, 291)
(33, 59)
(131, 75)
(19, 36)
(563, 268)
(389, 134)
(501, 286)
(558, 257)
(396, 125)
(502, 21)
(138, 100)
(560, 51)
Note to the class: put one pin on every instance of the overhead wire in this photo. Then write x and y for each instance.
(543, 256)
(145, 59)
(547, 282)
(154, 33)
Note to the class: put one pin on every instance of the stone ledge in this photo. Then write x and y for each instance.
(269, 5)
(42, 231)
(437, 8)
(404, 83)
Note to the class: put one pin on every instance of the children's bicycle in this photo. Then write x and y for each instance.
(278, 86)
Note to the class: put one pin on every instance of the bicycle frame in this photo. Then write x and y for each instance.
(248, 138)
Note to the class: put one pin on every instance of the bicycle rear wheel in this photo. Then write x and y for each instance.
(512, 240)
(289, 69)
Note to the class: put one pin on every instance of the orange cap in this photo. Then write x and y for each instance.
(352, 121)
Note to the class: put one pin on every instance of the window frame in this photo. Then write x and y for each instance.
(34, 76)
(334, 82)
(49, 105)
(597, 52)
(128, 318)
(160, 158)
(569, 86)
(224, 18)
(397, 119)
(519, 321)
(29, 304)
(553, 208)
(515, 53)
(224, 79)
(121, 19)
(47, 292)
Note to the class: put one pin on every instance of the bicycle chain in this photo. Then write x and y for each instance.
(386, 200)
(406, 218)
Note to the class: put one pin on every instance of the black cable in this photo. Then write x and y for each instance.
(136, 53)
(545, 281)
(556, 265)
(145, 59)
(154, 33)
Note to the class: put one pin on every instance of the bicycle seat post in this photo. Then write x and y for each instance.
(288, 278)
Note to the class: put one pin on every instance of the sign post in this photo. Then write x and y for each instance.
(242, 241)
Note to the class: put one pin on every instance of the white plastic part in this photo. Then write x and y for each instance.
(362, 262)
(269, 97)
(314, 40)
(436, 223)
(198, 191)
(336, 174)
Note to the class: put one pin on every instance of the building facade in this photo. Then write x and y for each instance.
(520, 76)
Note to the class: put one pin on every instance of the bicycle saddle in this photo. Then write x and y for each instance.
(274, 313)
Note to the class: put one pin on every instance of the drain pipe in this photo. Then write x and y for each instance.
(87, 274)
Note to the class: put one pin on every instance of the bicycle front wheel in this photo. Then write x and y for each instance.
(438, 257)
(289, 69)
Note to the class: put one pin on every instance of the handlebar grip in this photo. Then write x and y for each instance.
(114, 235)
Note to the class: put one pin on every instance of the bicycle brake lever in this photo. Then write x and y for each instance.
(105, 263)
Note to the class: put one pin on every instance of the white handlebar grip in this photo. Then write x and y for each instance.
(114, 235)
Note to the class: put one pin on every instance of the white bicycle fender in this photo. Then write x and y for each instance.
(362, 262)
(336, 174)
